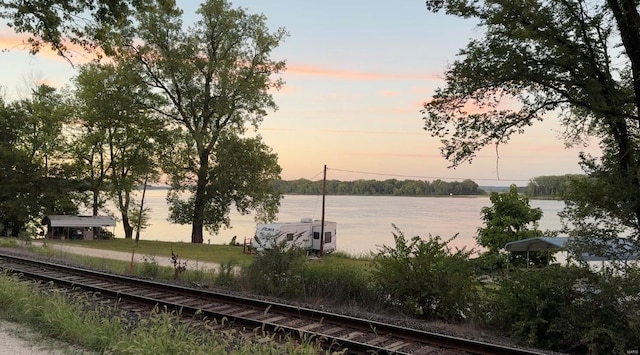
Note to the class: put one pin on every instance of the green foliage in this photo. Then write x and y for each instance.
(277, 271)
(509, 218)
(333, 282)
(33, 180)
(553, 186)
(67, 317)
(569, 309)
(8, 242)
(576, 58)
(543, 55)
(241, 177)
(55, 23)
(149, 267)
(425, 278)
(215, 80)
(117, 136)
(214, 253)
(602, 207)
(226, 275)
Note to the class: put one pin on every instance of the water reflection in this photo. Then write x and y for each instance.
(364, 222)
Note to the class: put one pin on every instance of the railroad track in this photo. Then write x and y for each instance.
(334, 331)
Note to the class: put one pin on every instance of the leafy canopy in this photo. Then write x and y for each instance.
(58, 23)
(575, 60)
(215, 80)
(542, 56)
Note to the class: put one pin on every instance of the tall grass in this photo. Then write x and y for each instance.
(80, 319)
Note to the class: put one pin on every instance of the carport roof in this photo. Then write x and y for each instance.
(78, 221)
(619, 249)
(537, 243)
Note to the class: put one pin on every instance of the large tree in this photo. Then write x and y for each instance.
(34, 179)
(112, 121)
(576, 61)
(216, 78)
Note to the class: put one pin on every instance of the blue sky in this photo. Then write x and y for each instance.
(358, 73)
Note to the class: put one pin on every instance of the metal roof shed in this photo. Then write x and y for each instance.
(63, 225)
(78, 221)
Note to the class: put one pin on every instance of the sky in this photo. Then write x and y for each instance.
(358, 73)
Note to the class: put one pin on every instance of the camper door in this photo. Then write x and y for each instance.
(329, 238)
(315, 243)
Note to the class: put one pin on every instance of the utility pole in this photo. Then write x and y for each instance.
(324, 192)
(144, 191)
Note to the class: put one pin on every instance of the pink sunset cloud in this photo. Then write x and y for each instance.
(356, 75)
(10, 41)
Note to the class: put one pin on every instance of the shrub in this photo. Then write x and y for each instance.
(569, 309)
(425, 278)
(277, 271)
(226, 275)
(331, 281)
(149, 267)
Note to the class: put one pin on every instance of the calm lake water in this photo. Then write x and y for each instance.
(364, 222)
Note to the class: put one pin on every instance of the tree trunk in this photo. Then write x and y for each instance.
(96, 193)
(628, 20)
(196, 231)
(128, 229)
(197, 224)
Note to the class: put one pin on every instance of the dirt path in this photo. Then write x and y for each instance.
(17, 339)
(137, 258)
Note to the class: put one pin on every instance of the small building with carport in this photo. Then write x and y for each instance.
(76, 227)
(620, 249)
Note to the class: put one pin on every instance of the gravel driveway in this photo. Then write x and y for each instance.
(17, 339)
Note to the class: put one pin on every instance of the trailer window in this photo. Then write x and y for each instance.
(289, 237)
(316, 235)
(327, 237)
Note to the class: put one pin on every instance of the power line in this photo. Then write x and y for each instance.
(422, 177)
(314, 176)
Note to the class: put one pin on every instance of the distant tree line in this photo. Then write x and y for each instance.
(391, 187)
(553, 186)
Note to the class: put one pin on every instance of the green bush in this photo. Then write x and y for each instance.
(569, 309)
(226, 275)
(149, 267)
(277, 272)
(425, 278)
(331, 281)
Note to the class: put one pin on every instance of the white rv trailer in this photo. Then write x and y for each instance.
(304, 234)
